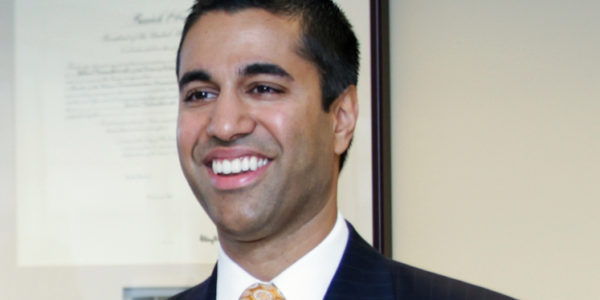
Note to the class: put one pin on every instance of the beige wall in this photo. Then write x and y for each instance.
(7, 215)
(496, 143)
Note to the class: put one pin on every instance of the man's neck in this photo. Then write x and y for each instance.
(266, 258)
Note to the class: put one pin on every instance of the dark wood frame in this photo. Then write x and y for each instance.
(380, 127)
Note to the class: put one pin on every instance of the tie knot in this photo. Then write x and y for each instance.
(262, 291)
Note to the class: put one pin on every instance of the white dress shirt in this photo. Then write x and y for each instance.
(307, 278)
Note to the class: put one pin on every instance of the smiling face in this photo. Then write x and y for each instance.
(258, 150)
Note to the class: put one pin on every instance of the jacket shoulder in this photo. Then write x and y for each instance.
(421, 284)
(364, 268)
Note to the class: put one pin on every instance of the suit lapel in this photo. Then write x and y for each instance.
(362, 273)
(210, 290)
(207, 290)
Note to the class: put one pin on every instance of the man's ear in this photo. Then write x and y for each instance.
(345, 113)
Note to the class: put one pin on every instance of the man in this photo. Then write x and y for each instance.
(267, 111)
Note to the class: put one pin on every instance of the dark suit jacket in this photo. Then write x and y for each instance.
(364, 274)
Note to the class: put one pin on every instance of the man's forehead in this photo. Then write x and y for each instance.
(257, 26)
(249, 16)
(250, 39)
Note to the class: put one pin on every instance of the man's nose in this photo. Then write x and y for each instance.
(230, 118)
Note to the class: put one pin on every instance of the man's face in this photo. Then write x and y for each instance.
(254, 142)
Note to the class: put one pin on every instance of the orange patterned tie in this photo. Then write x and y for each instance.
(261, 291)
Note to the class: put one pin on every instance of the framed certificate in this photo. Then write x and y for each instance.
(99, 196)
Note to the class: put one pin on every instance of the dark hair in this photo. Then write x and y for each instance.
(327, 39)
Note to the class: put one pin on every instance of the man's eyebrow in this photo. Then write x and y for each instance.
(195, 75)
(264, 68)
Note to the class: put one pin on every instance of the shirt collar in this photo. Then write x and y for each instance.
(314, 270)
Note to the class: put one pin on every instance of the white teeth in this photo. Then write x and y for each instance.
(226, 167)
(238, 165)
(217, 166)
(245, 164)
(253, 163)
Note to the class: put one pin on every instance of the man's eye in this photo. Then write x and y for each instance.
(201, 95)
(265, 89)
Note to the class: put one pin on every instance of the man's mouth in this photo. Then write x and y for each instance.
(238, 165)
